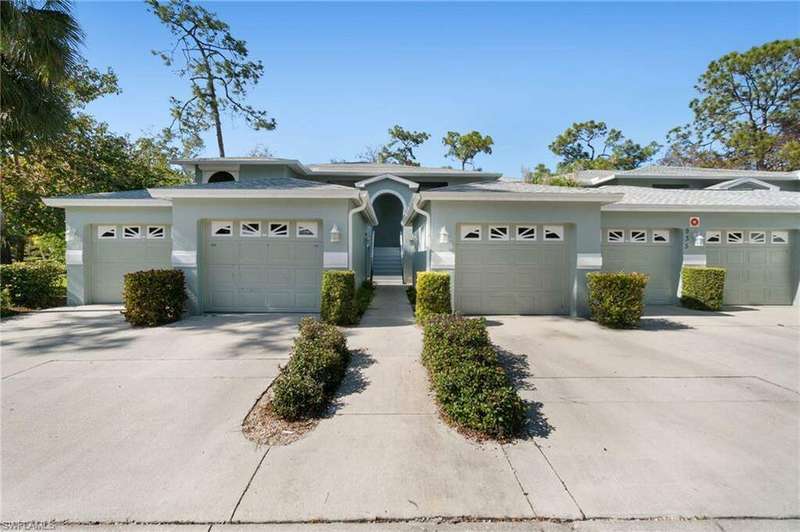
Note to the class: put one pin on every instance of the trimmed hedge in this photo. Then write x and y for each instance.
(35, 284)
(153, 297)
(471, 387)
(702, 288)
(312, 375)
(5, 303)
(616, 299)
(411, 294)
(433, 295)
(337, 304)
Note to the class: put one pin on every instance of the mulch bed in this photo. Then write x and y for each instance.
(265, 428)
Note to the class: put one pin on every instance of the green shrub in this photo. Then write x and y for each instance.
(153, 297)
(312, 375)
(411, 294)
(5, 303)
(35, 284)
(364, 296)
(471, 387)
(616, 299)
(337, 305)
(702, 288)
(433, 294)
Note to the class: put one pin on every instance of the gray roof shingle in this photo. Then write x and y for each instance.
(141, 194)
(512, 187)
(363, 169)
(657, 197)
(705, 173)
(264, 183)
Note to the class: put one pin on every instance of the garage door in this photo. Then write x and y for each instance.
(758, 263)
(263, 266)
(120, 249)
(511, 269)
(650, 251)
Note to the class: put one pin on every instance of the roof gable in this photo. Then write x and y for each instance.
(410, 184)
(735, 183)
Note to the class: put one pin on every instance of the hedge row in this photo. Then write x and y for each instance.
(153, 297)
(702, 288)
(340, 302)
(616, 299)
(35, 284)
(312, 375)
(432, 295)
(471, 387)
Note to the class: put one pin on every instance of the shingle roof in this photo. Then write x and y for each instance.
(705, 173)
(264, 183)
(119, 195)
(656, 198)
(512, 187)
(356, 168)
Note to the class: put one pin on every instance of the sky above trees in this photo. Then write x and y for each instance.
(337, 76)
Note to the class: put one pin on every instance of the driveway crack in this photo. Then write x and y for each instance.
(519, 483)
(564, 484)
(247, 487)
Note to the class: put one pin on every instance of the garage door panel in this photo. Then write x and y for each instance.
(305, 252)
(281, 300)
(252, 253)
(652, 259)
(222, 299)
(252, 298)
(307, 300)
(528, 278)
(279, 253)
(161, 253)
(467, 279)
(493, 256)
(280, 278)
(221, 252)
(525, 256)
(497, 279)
(469, 256)
(222, 277)
(307, 279)
(252, 276)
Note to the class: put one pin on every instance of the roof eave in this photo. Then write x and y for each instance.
(166, 193)
(101, 202)
(543, 197)
(700, 208)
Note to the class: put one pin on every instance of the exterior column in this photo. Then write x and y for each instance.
(694, 253)
(184, 255)
(588, 258)
(77, 259)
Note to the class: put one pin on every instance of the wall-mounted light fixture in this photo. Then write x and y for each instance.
(443, 236)
(335, 234)
(699, 241)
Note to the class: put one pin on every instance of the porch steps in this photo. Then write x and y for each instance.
(386, 262)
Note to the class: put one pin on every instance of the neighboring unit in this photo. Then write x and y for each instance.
(255, 234)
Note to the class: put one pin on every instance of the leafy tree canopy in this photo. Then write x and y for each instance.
(592, 145)
(217, 67)
(400, 149)
(747, 114)
(464, 148)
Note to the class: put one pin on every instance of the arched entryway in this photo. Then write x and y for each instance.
(389, 208)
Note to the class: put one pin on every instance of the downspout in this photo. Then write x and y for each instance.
(415, 206)
(364, 197)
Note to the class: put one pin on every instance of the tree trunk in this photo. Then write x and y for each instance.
(215, 112)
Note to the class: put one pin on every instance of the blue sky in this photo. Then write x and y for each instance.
(339, 75)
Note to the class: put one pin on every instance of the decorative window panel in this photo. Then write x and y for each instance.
(615, 235)
(470, 232)
(757, 237)
(131, 231)
(498, 232)
(661, 236)
(713, 237)
(307, 229)
(526, 232)
(553, 232)
(735, 237)
(106, 231)
(156, 231)
(279, 229)
(249, 229)
(638, 236)
(221, 228)
(780, 237)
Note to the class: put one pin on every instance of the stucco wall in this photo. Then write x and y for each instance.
(361, 233)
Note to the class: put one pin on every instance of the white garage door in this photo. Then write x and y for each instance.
(121, 249)
(650, 251)
(263, 266)
(758, 264)
(511, 269)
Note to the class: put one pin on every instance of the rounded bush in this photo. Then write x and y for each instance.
(153, 297)
(616, 299)
(433, 295)
(702, 288)
(337, 305)
(297, 396)
(34, 284)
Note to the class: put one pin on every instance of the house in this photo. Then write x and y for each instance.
(254, 234)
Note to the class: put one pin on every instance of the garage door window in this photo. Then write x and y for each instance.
(306, 229)
(250, 229)
(758, 237)
(498, 232)
(221, 228)
(106, 231)
(660, 236)
(156, 231)
(713, 237)
(131, 232)
(615, 235)
(553, 232)
(780, 237)
(279, 229)
(526, 232)
(735, 237)
(470, 232)
(638, 236)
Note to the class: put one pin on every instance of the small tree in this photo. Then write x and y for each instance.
(465, 147)
(217, 67)
(592, 145)
(400, 149)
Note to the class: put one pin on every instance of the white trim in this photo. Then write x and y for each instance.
(105, 228)
(314, 229)
(272, 234)
(415, 200)
(750, 237)
(184, 259)
(77, 202)
(443, 259)
(464, 229)
(219, 224)
(608, 236)
(698, 208)
(728, 236)
(138, 236)
(249, 222)
(208, 171)
(694, 260)
(661, 232)
(526, 227)
(557, 229)
(387, 191)
(783, 234)
(727, 185)
(633, 240)
(410, 184)
(589, 261)
(334, 259)
(163, 232)
(74, 257)
(718, 234)
(243, 193)
(576, 197)
(499, 226)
